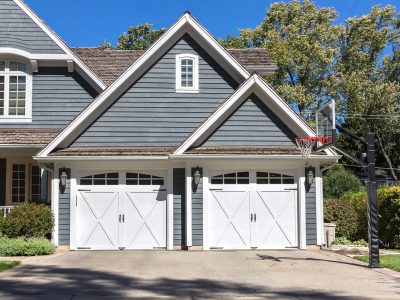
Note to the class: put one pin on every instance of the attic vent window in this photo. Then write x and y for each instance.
(187, 73)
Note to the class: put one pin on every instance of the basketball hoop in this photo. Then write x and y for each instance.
(306, 145)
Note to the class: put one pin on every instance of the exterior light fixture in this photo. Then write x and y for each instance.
(310, 176)
(196, 176)
(63, 179)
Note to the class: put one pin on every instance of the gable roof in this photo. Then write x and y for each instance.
(258, 86)
(185, 25)
(110, 64)
(70, 55)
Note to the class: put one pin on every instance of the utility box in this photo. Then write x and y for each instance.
(330, 233)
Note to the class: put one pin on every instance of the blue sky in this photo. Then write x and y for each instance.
(90, 22)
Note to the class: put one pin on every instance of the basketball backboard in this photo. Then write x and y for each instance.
(326, 125)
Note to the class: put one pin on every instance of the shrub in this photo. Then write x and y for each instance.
(343, 214)
(360, 243)
(341, 241)
(25, 246)
(389, 215)
(338, 181)
(29, 220)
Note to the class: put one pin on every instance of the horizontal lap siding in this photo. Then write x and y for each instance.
(64, 214)
(252, 124)
(179, 207)
(311, 216)
(151, 113)
(17, 30)
(57, 98)
(197, 212)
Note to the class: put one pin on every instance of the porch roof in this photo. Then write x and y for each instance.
(24, 136)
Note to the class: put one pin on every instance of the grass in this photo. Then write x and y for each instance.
(387, 261)
(8, 264)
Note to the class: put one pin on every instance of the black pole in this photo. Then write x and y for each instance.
(372, 204)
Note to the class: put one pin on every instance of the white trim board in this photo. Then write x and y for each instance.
(258, 86)
(59, 42)
(186, 24)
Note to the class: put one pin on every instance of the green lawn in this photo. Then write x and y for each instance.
(386, 261)
(8, 264)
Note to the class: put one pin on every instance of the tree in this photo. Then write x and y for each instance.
(138, 37)
(303, 41)
(367, 87)
(338, 181)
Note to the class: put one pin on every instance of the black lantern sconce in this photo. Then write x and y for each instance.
(63, 179)
(310, 177)
(196, 176)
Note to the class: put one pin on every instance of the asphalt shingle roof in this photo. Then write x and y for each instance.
(27, 136)
(108, 65)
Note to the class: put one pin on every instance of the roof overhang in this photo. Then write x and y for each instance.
(80, 67)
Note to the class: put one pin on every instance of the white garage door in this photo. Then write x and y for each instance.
(121, 211)
(252, 210)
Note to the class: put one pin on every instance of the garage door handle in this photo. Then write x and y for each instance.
(215, 189)
(251, 217)
(255, 217)
(290, 189)
(123, 218)
(159, 190)
(120, 218)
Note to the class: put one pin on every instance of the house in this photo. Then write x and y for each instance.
(181, 146)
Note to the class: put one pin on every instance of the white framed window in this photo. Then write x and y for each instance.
(15, 91)
(25, 183)
(143, 179)
(231, 178)
(100, 179)
(274, 178)
(187, 73)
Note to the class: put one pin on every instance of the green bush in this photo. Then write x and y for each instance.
(338, 182)
(389, 215)
(25, 246)
(29, 220)
(360, 243)
(343, 214)
(341, 241)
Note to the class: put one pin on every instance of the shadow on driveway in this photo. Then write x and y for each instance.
(37, 282)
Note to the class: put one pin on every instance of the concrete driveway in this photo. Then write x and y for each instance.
(288, 274)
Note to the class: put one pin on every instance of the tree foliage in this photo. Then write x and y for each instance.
(338, 182)
(138, 37)
(357, 64)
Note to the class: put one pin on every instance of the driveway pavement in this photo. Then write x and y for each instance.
(288, 274)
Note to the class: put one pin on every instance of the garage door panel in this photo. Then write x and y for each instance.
(97, 220)
(145, 219)
(229, 219)
(276, 219)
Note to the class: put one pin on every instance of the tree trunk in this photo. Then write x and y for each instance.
(387, 158)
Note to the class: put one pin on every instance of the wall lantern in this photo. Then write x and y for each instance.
(63, 179)
(310, 176)
(196, 176)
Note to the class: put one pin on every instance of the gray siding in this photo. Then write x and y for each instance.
(179, 191)
(57, 98)
(3, 178)
(252, 124)
(64, 214)
(197, 212)
(311, 216)
(17, 30)
(151, 113)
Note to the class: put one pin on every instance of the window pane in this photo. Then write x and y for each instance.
(229, 181)
(86, 181)
(215, 180)
(243, 174)
(243, 181)
(158, 182)
(18, 183)
(1, 94)
(262, 174)
(262, 181)
(17, 66)
(36, 184)
(2, 65)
